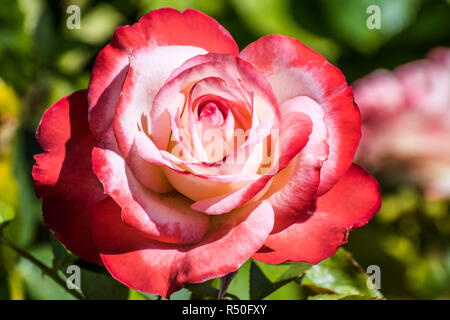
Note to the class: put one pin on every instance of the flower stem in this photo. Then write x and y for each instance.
(225, 283)
(46, 270)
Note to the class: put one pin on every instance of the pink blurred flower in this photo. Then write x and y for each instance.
(406, 122)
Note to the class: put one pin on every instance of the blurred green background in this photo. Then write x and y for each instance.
(42, 61)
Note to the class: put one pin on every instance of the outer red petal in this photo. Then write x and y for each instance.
(163, 268)
(63, 174)
(295, 70)
(316, 235)
(164, 27)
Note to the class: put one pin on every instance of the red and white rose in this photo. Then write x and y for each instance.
(186, 157)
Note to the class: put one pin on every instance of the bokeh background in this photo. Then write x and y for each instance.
(42, 61)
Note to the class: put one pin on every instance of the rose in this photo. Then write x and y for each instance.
(406, 123)
(131, 178)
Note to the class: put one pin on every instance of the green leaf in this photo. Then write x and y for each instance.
(136, 295)
(240, 285)
(339, 274)
(239, 288)
(148, 296)
(182, 294)
(290, 291)
(280, 272)
(294, 271)
(225, 283)
(260, 286)
(263, 284)
(6, 213)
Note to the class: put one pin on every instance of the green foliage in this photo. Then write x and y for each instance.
(239, 286)
(23, 228)
(212, 7)
(6, 213)
(347, 17)
(409, 240)
(336, 278)
(341, 297)
(339, 275)
(98, 24)
(254, 280)
(208, 291)
(266, 279)
(273, 16)
(261, 286)
(38, 285)
(96, 283)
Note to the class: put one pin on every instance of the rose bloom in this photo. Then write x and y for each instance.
(406, 122)
(185, 157)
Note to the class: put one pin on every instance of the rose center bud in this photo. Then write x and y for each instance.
(212, 113)
(212, 126)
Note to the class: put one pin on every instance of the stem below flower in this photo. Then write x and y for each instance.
(46, 270)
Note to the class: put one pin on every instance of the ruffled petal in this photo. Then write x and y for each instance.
(63, 175)
(163, 27)
(162, 268)
(295, 70)
(148, 70)
(317, 234)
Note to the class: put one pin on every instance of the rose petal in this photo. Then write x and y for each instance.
(63, 176)
(293, 189)
(295, 70)
(316, 235)
(159, 268)
(163, 27)
(148, 70)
